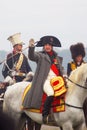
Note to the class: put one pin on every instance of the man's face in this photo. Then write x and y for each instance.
(79, 58)
(48, 47)
(18, 48)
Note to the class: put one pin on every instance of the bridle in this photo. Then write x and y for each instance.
(75, 83)
(67, 103)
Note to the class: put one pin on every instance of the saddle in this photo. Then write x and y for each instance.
(58, 104)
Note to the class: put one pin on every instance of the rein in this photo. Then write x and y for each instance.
(69, 104)
(76, 83)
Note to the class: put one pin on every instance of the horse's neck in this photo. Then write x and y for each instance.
(75, 94)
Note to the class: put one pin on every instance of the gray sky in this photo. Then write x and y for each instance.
(65, 19)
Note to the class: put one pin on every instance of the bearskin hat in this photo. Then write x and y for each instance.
(77, 49)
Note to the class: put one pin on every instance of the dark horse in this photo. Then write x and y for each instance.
(85, 110)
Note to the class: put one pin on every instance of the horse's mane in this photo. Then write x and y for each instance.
(76, 76)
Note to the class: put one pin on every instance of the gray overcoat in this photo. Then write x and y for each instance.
(34, 95)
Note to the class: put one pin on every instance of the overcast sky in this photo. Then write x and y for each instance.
(65, 19)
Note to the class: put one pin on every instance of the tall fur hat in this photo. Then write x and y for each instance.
(77, 49)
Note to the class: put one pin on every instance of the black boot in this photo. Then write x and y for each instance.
(46, 109)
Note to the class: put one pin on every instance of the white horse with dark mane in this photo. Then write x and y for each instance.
(71, 119)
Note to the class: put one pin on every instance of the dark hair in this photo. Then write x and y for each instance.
(77, 49)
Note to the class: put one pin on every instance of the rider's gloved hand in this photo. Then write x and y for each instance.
(29, 76)
(31, 42)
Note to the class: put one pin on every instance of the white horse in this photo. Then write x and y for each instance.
(71, 119)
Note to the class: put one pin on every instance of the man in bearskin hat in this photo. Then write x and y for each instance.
(78, 53)
(49, 65)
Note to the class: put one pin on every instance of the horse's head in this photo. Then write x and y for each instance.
(79, 75)
(78, 78)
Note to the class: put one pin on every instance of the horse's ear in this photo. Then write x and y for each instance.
(85, 110)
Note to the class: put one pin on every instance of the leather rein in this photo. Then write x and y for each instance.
(69, 104)
(76, 83)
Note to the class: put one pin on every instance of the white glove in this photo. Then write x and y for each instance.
(9, 80)
(13, 73)
(31, 42)
(65, 76)
(29, 76)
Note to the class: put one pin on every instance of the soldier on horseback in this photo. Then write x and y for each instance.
(16, 66)
(49, 65)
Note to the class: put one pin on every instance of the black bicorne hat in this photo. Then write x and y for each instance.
(50, 40)
(77, 49)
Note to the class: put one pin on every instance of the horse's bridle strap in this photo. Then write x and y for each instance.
(76, 83)
(67, 105)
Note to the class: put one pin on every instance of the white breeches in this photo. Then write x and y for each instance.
(47, 88)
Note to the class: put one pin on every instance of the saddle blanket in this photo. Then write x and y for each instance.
(58, 104)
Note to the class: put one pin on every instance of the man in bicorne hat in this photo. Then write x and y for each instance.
(16, 66)
(78, 53)
(48, 66)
